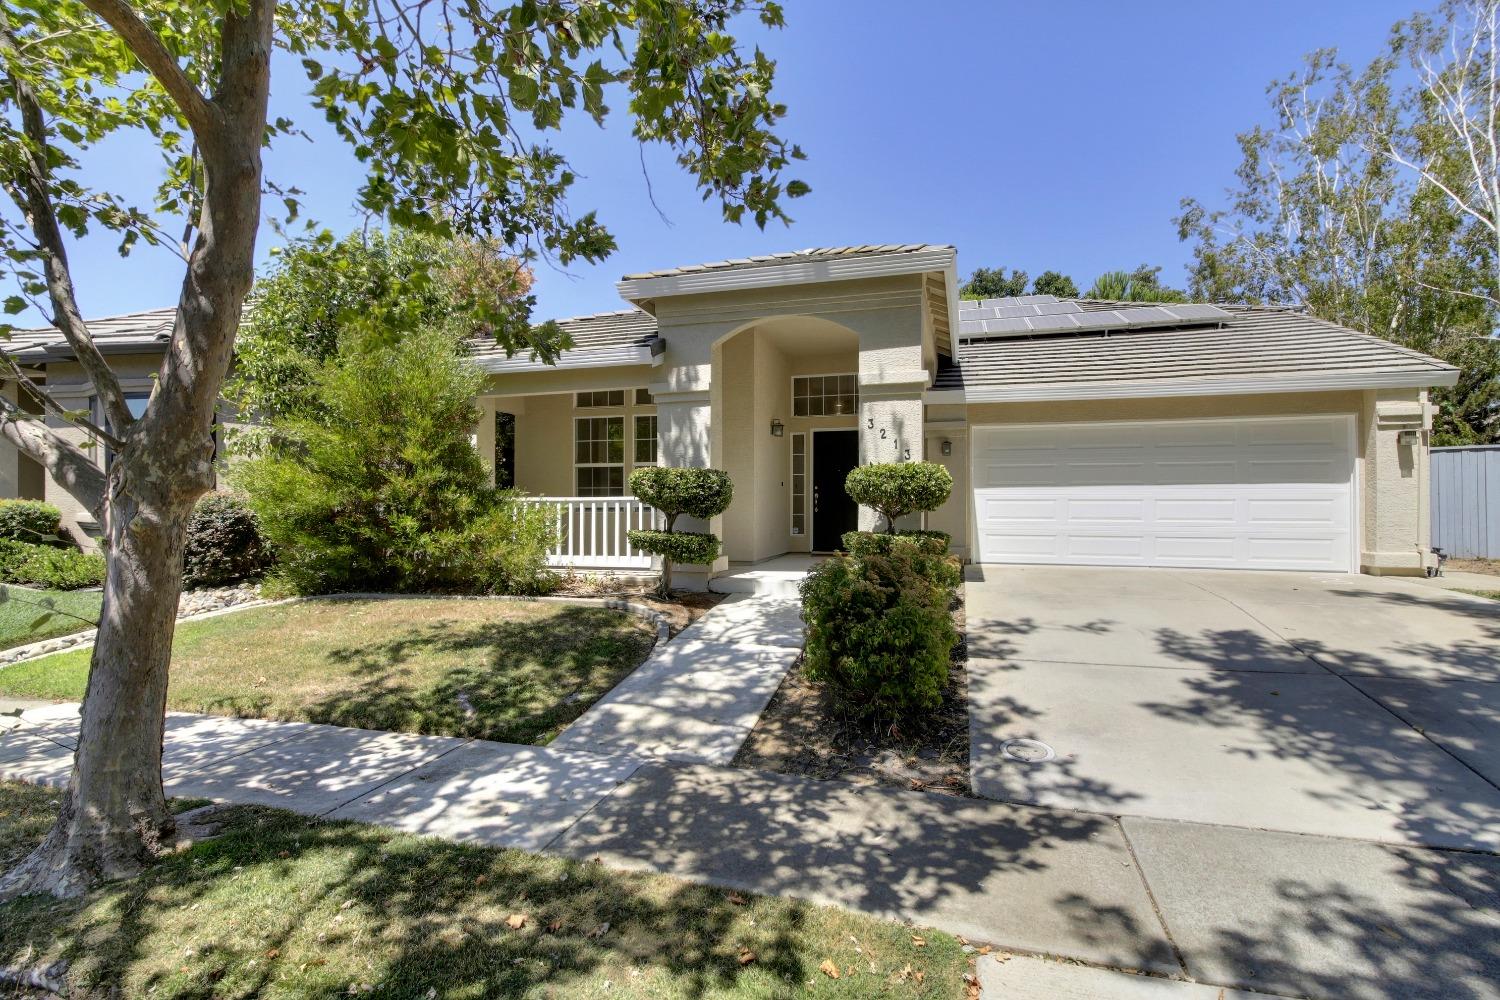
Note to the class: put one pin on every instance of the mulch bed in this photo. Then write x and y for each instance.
(803, 732)
(685, 607)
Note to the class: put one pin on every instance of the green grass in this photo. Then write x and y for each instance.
(1493, 595)
(513, 671)
(280, 906)
(33, 615)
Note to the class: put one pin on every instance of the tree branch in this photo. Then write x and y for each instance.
(67, 463)
(52, 404)
(35, 185)
(146, 45)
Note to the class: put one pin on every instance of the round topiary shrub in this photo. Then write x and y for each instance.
(878, 632)
(224, 543)
(700, 493)
(895, 489)
(30, 521)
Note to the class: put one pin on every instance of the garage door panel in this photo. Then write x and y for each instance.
(1255, 493)
(1085, 546)
(1176, 512)
(1116, 511)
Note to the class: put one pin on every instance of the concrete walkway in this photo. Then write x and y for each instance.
(696, 698)
(1201, 908)
(1235, 908)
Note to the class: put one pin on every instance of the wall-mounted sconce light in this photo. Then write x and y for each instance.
(777, 428)
(1407, 439)
(947, 448)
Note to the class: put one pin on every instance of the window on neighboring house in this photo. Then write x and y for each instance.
(799, 484)
(595, 400)
(824, 395)
(645, 440)
(135, 402)
(599, 456)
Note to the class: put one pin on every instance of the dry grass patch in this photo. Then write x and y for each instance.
(281, 906)
(514, 671)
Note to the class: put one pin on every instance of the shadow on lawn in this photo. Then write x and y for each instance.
(297, 907)
(532, 677)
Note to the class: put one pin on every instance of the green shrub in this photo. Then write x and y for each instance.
(878, 632)
(895, 489)
(700, 493)
(224, 543)
(377, 487)
(927, 549)
(30, 521)
(678, 546)
(49, 566)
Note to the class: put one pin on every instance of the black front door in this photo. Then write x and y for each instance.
(835, 453)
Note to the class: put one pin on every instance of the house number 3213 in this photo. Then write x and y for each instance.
(905, 453)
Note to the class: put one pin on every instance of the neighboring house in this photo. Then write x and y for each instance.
(1077, 432)
(132, 345)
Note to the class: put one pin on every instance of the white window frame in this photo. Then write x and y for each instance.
(792, 485)
(808, 375)
(625, 397)
(636, 439)
(621, 465)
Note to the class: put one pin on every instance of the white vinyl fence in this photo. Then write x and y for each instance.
(590, 532)
(1465, 501)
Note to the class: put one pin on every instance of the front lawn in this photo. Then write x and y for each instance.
(513, 671)
(280, 906)
(33, 615)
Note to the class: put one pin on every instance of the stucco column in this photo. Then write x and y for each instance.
(684, 439)
(1396, 425)
(484, 434)
(890, 430)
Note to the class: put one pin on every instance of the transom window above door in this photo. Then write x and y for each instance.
(825, 395)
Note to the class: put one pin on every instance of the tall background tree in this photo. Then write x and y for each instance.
(449, 107)
(1141, 285)
(1371, 201)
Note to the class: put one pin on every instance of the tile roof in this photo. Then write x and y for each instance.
(1253, 342)
(790, 257)
(621, 328)
(149, 329)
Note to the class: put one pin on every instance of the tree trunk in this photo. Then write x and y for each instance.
(114, 818)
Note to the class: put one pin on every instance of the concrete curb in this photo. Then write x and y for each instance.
(33, 651)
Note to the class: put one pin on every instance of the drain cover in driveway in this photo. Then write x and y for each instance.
(1027, 751)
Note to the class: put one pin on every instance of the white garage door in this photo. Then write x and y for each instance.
(1251, 494)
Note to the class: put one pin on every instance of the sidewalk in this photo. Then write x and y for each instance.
(1281, 914)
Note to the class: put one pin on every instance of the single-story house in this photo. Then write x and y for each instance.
(1077, 432)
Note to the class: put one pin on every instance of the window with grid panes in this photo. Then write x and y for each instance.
(825, 395)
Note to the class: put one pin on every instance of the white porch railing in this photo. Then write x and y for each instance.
(590, 532)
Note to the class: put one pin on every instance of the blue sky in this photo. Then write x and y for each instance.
(1032, 135)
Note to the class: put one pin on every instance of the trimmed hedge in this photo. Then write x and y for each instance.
(700, 493)
(679, 546)
(30, 521)
(224, 543)
(878, 631)
(927, 549)
(49, 566)
(895, 489)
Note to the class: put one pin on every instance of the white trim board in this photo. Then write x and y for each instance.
(794, 272)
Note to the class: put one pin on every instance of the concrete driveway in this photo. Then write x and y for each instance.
(1346, 706)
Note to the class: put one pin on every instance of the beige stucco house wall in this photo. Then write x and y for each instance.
(713, 354)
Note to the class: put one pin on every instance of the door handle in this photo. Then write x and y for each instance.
(815, 499)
